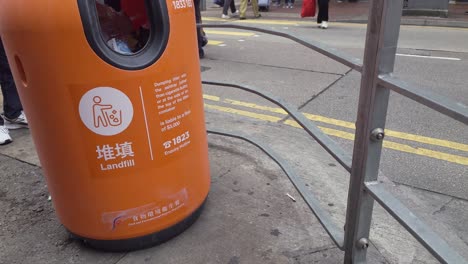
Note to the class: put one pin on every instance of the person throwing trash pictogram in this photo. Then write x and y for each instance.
(104, 114)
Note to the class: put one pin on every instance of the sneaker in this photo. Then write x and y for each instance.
(258, 16)
(19, 122)
(235, 14)
(324, 25)
(4, 135)
(242, 18)
(223, 16)
(204, 40)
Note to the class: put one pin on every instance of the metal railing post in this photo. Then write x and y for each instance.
(379, 58)
(376, 83)
(203, 5)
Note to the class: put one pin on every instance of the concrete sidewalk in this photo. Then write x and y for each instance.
(355, 13)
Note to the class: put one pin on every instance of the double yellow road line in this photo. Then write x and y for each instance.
(280, 114)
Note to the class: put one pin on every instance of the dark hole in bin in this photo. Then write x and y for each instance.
(124, 25)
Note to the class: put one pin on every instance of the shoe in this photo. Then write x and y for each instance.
(235, 14)
(204, 39)
(19, 122)
(324, 25)
(223, 16)
(242, 18)
(258, 16)
(4, 135)
(201, 53)
(291, 6)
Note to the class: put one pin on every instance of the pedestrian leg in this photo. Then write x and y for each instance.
(323, 11)
(233, 8)
(227, 4)
(243, 8)
(11, 102)
(255, 8)
(201, 52)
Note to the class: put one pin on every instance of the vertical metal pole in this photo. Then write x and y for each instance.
(379, 57)
(203, 5)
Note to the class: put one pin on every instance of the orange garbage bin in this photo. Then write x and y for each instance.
(112, 92)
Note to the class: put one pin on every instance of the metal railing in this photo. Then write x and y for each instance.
(376, 83)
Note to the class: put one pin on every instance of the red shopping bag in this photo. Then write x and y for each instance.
(308, 8)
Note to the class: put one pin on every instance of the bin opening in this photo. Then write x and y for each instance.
(124, 25)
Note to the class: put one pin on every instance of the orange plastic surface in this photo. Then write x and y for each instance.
(110, 186)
